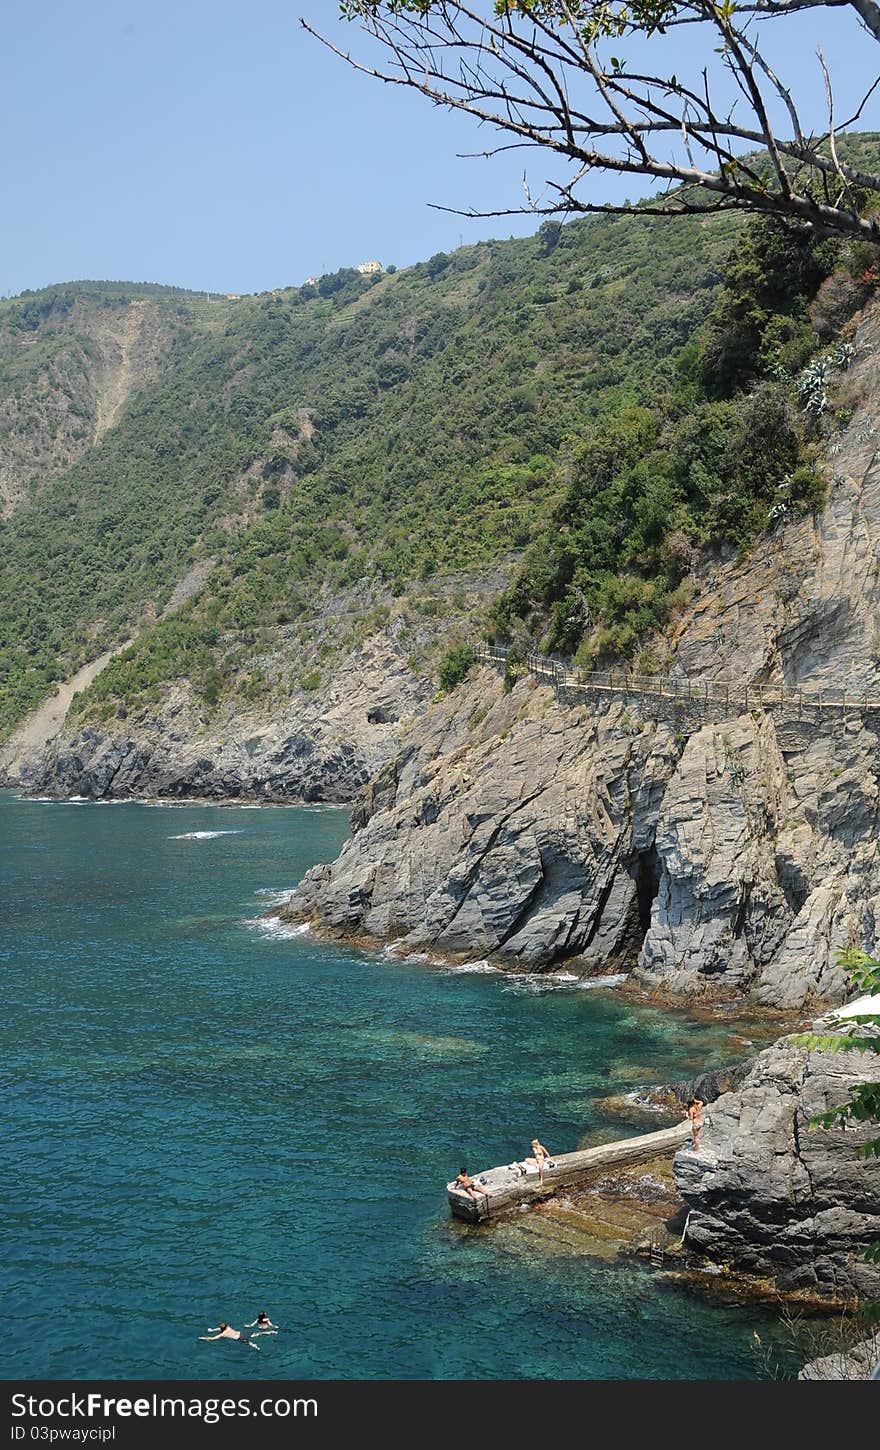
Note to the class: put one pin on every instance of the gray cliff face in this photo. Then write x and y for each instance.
(769, 860)
(768, 1196)
(318, 746)
(508, 827)
(338, 686)
(735, 854)
(513, 828)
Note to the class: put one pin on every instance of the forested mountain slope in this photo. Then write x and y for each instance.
(594, 410)
(406, 424)
(69, 358)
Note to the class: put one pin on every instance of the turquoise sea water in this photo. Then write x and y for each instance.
(200, 1119)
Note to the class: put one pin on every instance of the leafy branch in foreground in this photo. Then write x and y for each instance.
(594, 84)
(864, 1105)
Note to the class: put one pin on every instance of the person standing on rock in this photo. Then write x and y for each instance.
(695, 1113)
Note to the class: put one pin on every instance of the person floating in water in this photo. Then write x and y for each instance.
(470, 1186)
(263, 1324)
(224, 1331)
(695, 1113)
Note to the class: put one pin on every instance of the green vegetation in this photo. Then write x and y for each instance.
(864, 1104)
(459, 658)
(552, 397)
(183, 648)
(727, 445)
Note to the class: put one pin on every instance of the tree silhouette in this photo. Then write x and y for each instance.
(593, 82)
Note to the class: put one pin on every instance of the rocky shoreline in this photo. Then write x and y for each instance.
(689, 860)
(768, 1209)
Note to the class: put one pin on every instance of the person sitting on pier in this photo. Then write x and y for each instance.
(695, 1113)
(470, 1186)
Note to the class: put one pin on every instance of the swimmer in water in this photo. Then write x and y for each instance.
(263, 1324)
(223, 1331)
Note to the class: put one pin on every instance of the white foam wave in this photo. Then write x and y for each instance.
(202, 835)
(393, 951)
(560, 981)
(613, 979)
(274, 896)
(473, 967)
(647, 1105)
(274, 929)
(58, 800)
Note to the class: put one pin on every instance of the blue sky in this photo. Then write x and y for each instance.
(217, 146)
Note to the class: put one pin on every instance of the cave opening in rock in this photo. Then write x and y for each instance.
(645, 871)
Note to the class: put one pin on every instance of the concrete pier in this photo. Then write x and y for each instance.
(509, 1188)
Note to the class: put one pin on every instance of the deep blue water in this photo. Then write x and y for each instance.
(200, 1120)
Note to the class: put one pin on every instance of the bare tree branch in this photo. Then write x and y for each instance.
(528, 67)
(867, 11)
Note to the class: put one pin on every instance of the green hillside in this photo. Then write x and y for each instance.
(513, 394)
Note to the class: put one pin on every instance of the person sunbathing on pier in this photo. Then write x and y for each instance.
(470, 1186)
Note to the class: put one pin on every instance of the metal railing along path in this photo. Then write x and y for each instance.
(679, 691)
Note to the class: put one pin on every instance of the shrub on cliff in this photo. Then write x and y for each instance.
(864, 1105)
(455, 664)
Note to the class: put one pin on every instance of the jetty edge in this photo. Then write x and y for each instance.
(510, 1188)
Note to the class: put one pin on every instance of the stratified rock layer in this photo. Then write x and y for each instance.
(736, 854)
(512, 828)
(318, 746)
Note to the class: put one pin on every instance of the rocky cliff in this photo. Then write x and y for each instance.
(531, 833)
(312, 746)
(768, 1196)
(859, 1362)
(727, 854)
(734, 854)
(338, 688)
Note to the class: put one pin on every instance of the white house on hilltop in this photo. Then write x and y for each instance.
(365, 268)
